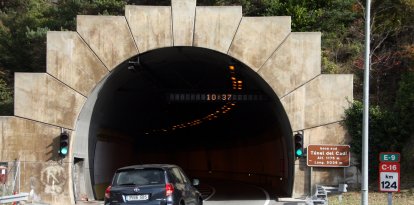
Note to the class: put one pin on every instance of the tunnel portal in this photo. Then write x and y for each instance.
(194, 107)
(158, 85)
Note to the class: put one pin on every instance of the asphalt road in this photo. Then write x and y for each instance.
(222, 192)
(235, 193)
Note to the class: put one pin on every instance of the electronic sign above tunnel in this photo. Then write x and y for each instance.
(211, 97)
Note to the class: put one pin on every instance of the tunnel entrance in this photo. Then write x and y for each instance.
(200, 109)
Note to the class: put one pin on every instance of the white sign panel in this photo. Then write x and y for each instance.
(389, 181)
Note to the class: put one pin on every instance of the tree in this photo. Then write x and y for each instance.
(391, 31)
(6, 99)
(383, 134)
(404, 107)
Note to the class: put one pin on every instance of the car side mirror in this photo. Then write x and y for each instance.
(196, 182)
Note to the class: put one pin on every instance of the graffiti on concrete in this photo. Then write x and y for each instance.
(53, 177)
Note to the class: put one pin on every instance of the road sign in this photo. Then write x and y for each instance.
(389, 157)
(328, 156)
(389, 176)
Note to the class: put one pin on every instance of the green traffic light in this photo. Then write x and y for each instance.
(299, 152)
(64, 150)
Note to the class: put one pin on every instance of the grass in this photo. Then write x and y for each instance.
(405, 197)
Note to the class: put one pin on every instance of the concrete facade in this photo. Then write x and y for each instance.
(40, 97)
(150, 29)
(257, 38)
(222, 21)
(32, 144)
(78, 61)
(70, 60)
(109, 37)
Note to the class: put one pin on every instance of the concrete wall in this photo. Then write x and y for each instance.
(33, 145)
(332, 134)
(77, 61)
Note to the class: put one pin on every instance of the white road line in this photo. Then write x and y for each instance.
(267, 202)
(212, 193)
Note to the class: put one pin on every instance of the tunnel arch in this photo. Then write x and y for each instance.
(135, 105)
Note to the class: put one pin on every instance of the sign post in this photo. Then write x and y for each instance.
(389, 173)
(327, 156)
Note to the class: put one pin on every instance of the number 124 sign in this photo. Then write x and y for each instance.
(389, 179)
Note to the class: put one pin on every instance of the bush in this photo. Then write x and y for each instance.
(384, 134)
(6, 99)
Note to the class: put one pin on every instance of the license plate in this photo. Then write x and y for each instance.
(137, 197)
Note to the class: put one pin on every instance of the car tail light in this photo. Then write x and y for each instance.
(169, 189)
(107, 192)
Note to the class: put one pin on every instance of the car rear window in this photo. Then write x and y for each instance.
(139, 177)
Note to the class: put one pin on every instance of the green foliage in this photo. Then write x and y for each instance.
(329, 66)
(6, 99)
(22, 36)
(405, 101)
(405, 114)
(389, 130)
(313, 15)
(384, 133)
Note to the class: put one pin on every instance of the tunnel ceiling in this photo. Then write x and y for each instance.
(135, 101)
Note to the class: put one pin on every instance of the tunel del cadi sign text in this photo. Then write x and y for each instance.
(328, 155)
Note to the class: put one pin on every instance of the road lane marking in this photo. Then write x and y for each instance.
(213, 191)
(267, 202)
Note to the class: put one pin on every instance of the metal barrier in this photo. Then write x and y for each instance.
(14, 198)
(321, 193)
(10, 190)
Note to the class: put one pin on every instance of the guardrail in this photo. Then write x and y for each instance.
(14, 198)
(321, 193)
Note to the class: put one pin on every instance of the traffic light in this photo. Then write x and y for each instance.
(63, 144)
(299, 145)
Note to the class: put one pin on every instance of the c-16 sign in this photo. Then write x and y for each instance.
(328, 156)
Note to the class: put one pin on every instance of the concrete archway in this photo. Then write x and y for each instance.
(80, 62)
(133, 120)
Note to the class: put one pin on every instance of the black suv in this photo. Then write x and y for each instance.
(152, 184)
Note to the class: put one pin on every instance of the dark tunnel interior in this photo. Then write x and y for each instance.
(197, 108)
